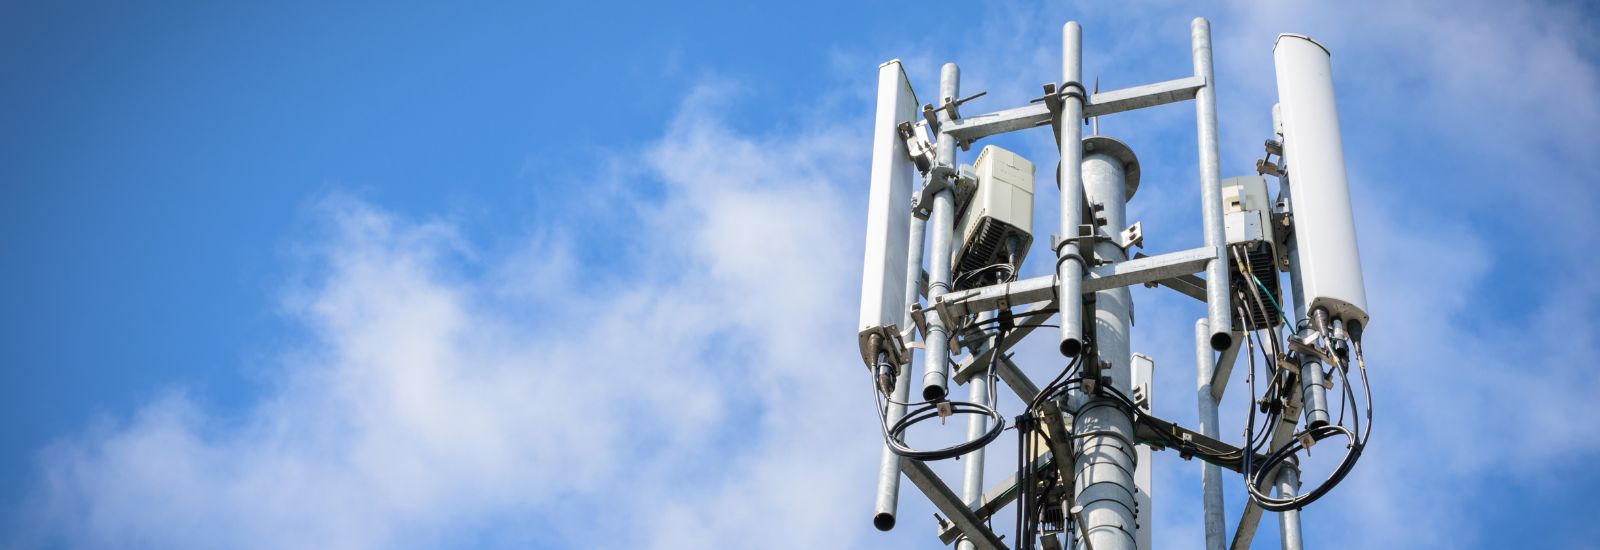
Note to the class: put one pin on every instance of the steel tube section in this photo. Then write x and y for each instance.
(1289, 520)
(950, 505)
(1312, 392)
(937, 361)
(992, 297)
(1100, 104)
(977, 425)
(1147, 269)
(1210, 474)
(1224, 368)
(1009, 120)
(1187, 285)
(888, 502)
(1139, 97)
(1069, 263)
(1106, 463)
(1205, 99)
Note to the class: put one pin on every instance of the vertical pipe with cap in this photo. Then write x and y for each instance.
(1205, 100)
(942, 224)
(888, 501)
(1069, 264)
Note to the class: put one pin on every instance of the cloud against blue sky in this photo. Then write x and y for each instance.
(584, 276)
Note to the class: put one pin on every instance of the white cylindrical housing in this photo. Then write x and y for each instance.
(1324, 227)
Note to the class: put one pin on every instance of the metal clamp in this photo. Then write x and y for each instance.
(917, 145)
(949, 106)
(936, 179)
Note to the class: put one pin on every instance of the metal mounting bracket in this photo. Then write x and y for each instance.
(934, 181)
(1132, 237)
(917, 145)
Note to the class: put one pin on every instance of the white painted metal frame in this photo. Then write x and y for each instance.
(1065, 107)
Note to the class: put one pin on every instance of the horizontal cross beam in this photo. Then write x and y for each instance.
(1146, 269)
(973, 128)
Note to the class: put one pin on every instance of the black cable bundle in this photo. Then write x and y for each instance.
(895, 435)
(1256, 475)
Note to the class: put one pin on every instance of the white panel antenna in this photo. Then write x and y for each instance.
(883, 280)
(1324, 226)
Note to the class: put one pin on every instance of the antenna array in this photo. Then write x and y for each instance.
(1084, 440)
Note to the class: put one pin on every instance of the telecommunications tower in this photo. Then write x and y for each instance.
(946, 242)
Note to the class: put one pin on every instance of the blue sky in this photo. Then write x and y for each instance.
(527, 275)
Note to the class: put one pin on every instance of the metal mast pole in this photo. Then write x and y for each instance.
(942, 220)
(1069, 264)
(1105, 463)
(1093, 449)
(883, 516)
(1205, 101)
(1289, 520)
(1210, 474)
(977, 425)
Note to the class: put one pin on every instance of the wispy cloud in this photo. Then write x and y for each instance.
(442, 385)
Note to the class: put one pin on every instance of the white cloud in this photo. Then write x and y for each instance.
(443, 385)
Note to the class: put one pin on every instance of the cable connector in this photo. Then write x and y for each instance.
(882, 339)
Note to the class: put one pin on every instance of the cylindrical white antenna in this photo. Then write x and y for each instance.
(1324, 227)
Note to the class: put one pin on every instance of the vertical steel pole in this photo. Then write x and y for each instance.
(1210, 474)
(937, 361)
(1205, 101)
(1106, 461)
(888, 503)
(977, 425)
(1069, 263)
(1289, 520)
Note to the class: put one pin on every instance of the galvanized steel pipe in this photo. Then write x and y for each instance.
(1104, 486)
(888, 501)
(936, 372)
(1069, 264)
(1210, 474)
(1217, 301)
